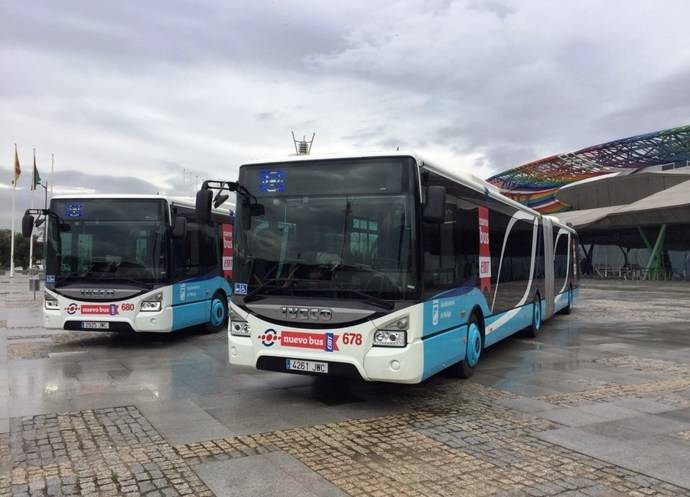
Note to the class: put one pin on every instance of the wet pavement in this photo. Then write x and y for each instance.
(597, 405)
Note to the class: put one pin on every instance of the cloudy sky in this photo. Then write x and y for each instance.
(129, 94)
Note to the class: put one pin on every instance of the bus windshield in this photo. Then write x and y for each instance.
(99, 240)
(340, 228)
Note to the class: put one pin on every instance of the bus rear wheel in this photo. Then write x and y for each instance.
(219, 313)
(475, 345)
(535, 327)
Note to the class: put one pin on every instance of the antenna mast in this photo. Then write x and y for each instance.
(303, 146)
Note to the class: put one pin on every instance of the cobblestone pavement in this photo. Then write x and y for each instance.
(104, 452)
(586, 410)
(474, 448)
(676, 379)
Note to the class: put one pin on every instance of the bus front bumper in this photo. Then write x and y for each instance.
(141, 322)
(388, 364)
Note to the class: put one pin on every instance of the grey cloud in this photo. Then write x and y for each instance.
(664, 103)
(135, 35)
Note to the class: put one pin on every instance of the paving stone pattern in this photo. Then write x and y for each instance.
(103, 452)
(677, 379)
(474, 448)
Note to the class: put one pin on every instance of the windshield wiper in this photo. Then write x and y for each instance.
(366, 297)
(354, 267)
(261, 289)
(128, 280)
(69, 277)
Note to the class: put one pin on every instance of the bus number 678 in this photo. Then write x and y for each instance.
(352, 338)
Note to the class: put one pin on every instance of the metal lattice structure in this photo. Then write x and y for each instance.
(535, 184)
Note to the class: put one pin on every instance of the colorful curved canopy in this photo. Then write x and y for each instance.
(535, 184)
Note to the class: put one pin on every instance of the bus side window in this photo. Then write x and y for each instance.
(560, 263)
(451, 250)
(209, 243)
(515, 266)
(187, 253)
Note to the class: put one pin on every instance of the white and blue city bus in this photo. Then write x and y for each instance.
(137, 263)
(386, 268)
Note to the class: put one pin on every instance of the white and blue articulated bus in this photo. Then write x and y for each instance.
(139, 263)
(386, 268)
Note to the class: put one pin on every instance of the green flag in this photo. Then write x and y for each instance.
(36, 180)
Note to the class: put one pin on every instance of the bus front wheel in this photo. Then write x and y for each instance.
(475, 345)
(219, 313)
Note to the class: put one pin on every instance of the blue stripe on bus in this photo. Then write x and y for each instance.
(186, 315)
(443, 350)
(192, 300)
(522, 319)
(445, 325)
(444, 311)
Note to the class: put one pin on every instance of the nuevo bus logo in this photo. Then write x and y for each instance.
(317, 341)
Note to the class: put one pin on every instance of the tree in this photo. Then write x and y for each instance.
(21, 249)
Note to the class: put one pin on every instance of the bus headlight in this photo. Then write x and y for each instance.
(393, 333)
(238, 325)
(153, 304)
(390, 338)
(50, 302)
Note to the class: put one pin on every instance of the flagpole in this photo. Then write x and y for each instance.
(14, 189)
(31, 238)
(52, 175)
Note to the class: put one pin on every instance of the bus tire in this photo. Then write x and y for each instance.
(219, 313)
(473, 351)
(534, 329)
(567, 309)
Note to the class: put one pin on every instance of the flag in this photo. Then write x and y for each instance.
(17, 169)
(36, 179)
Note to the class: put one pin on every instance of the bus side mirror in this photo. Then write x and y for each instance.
(27, 225)
(180, 227)
(203, 206)
(435, 206)
(220, 199)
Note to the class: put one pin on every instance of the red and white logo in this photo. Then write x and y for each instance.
(93, 309)
(317, 341)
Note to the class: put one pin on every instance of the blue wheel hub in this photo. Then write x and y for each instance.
(474, 344)
(537, 315)
(217, 312)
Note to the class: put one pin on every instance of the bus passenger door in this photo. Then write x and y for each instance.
(547, 233)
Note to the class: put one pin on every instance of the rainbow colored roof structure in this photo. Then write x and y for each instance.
(535, 184)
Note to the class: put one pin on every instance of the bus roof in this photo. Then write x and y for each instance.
(189, 202)
(467, 179)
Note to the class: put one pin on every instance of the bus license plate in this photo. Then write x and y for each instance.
(306, 366)
(95, 325)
